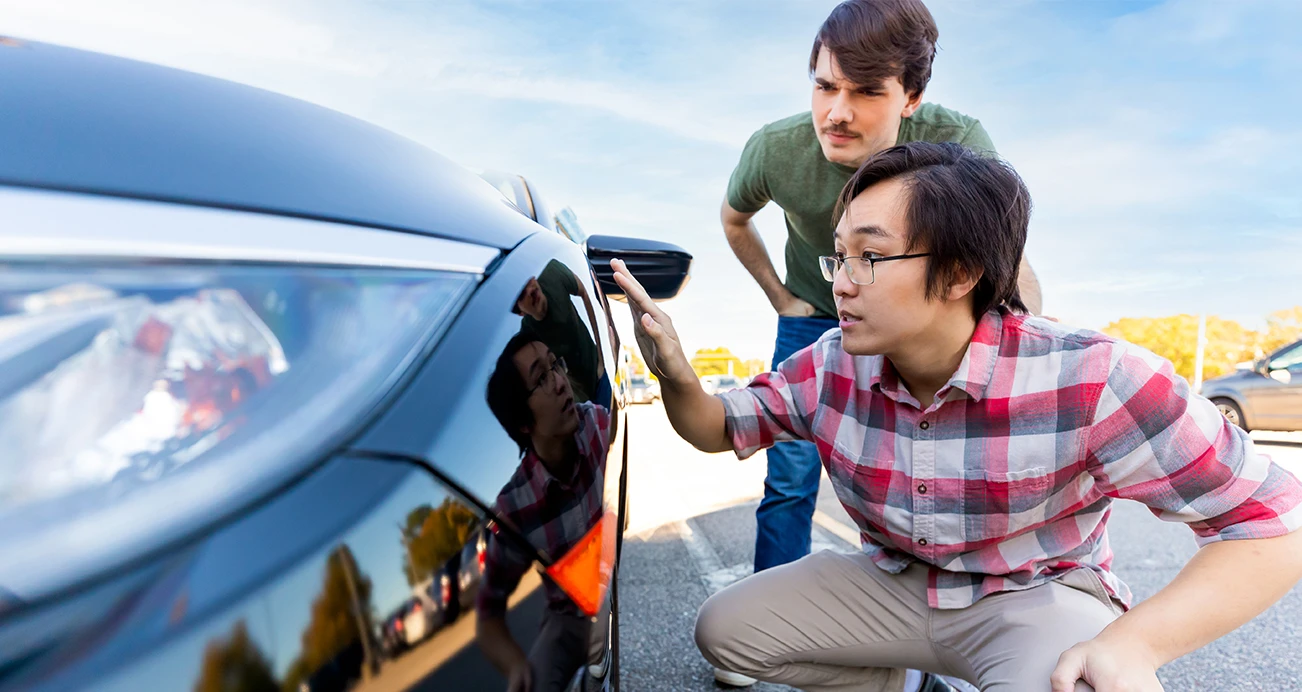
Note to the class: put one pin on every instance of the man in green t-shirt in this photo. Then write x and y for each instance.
(870, 64)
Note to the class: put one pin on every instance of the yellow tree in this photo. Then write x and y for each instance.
(1283, 327)
(433, 535)
(716, 361)
(1176, 339)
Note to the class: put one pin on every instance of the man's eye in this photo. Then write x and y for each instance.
(872, 255)
(840, 256)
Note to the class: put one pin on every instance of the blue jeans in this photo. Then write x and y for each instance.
(786, 514)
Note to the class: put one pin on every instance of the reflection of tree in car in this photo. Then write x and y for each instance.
(433, 536)
(333, 649)
(553, 499)
(548, 312)
(235, 664)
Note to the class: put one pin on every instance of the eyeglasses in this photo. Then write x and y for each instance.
(557, 368)
(860, 275)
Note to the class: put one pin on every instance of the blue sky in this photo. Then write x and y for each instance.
(1161, 141)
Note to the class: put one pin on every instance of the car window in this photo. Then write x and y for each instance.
(567, 222)
(1290, 359)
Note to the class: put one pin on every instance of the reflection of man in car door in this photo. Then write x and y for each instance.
(553, 500)
(547, 311)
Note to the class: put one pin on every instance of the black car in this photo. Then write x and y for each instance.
(269, 377)
(1263, 395)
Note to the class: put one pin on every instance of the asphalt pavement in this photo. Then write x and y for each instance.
(692, 532)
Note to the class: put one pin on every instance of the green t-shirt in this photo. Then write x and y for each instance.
(563, 331)
(784, 163)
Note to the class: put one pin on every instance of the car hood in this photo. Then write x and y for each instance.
(87, 122)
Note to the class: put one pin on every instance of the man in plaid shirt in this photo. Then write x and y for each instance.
(979, 451)
(554, 498)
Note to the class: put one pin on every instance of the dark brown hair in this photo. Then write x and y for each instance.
(875, 40)
(969, 211)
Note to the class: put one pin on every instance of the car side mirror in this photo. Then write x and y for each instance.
(662, 268)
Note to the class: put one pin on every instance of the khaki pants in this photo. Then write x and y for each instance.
(837, 622)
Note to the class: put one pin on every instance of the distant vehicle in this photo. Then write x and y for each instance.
(642, 389)
(713, 384)
(1262, 395)
(471, 573)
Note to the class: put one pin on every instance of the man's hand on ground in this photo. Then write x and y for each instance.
(654, 330)
(1109, 667)
(794, 307)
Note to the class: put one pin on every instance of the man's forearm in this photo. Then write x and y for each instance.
(696, 416)
(749, 248)
(1225, 585)
(1028, 285)
(497, 644)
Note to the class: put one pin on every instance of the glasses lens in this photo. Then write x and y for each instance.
(828, 265)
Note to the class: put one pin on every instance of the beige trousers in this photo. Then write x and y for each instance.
(838, 622)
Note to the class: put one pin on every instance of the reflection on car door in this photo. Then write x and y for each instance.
(1277, 403)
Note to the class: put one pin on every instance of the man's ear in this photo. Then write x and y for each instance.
(961, 282)
(912, 106)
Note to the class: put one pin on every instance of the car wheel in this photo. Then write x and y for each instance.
(1231, 411)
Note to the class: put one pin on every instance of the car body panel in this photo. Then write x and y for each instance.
(303, 586)
(115, 126)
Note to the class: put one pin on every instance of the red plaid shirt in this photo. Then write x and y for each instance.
(1006, 481)
(552, 515)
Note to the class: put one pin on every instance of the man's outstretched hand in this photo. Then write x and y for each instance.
(654, 331)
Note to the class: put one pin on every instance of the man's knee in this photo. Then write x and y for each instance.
(718, 623)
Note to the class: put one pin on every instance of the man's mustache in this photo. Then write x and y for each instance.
(838, 130)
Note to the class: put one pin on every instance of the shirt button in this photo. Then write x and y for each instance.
(922, 541)
(922, 488)
(924, 425)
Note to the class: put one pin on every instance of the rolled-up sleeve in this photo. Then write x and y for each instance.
(775, 407)
(504, 566)
(1152, 440)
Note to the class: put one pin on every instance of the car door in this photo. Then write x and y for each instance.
(531, 362)
(1277, 403)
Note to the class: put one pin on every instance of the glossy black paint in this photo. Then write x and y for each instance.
(662, 268)
(303, 589)
(81, 121)
(264, 599)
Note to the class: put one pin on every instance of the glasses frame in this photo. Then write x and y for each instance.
(558, 367)
(829, 264)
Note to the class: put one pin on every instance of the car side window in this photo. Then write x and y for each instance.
(1289, 360)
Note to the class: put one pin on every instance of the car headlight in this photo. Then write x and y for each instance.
(137, 397)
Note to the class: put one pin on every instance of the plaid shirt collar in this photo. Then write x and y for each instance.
(972, 376)
(540, 476)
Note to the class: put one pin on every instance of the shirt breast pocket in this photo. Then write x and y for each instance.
(1017, 498)
(865, 475)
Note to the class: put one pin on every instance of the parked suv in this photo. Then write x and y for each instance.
(1264, 395)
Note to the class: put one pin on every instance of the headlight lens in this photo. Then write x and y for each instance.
(134, 398)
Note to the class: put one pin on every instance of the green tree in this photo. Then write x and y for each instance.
(335, 616)
(235, 664)
(433, 535)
